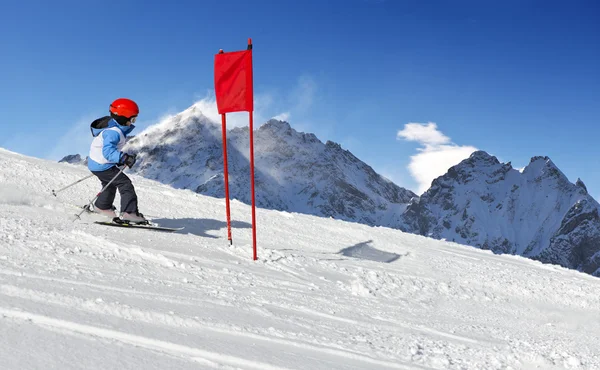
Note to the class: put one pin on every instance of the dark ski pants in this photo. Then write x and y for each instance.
(126, 190)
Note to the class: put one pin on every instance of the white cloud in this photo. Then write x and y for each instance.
(436, 156)
(426, 134)
(285, 116)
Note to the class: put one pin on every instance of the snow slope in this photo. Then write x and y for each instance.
(324, 294)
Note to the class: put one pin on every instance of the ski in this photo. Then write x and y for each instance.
(149, 226)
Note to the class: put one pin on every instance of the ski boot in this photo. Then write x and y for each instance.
(110, 213)
(132, 218)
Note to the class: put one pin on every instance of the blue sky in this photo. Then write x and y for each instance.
(408, 86)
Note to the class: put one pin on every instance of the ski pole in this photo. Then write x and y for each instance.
(87, 206)
(54, 192)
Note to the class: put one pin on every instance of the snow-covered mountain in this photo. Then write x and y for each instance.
(293, 171)
(536, 213)
(74, 159)
(323, 294)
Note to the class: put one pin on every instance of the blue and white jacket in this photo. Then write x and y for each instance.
(107, 146)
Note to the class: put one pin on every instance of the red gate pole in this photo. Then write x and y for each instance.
(252, 163)
(226, 179)
(252, 188)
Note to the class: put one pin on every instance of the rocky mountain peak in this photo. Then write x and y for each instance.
(580, 184)
(333, 145)
(73, 159)
(275, 125)
(479, 167)
(542, 170)
(480, 158)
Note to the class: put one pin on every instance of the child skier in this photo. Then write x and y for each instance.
(106, 154)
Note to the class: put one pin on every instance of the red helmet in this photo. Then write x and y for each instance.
(125, 108)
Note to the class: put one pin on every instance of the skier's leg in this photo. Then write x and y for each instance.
(106, 199)
(104, 203)
(129, 201)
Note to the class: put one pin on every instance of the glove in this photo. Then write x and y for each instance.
(128, 160)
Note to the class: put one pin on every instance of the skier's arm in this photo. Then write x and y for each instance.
(109, 150)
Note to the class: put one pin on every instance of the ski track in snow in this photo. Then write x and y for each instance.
(78, 295)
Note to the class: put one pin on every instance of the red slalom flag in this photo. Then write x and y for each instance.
(234, 93)
(233, 81)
